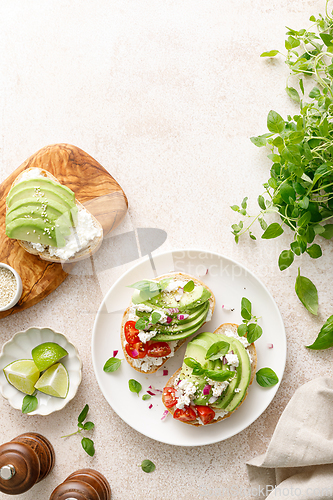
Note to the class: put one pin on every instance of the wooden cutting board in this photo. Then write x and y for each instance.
(93, 186)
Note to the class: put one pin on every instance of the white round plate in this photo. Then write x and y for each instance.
(20, 347)
(229, 282)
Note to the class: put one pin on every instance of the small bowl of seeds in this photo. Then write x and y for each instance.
(10, 287)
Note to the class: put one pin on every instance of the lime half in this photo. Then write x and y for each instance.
(22, 374)
(45, 355)
(54, 382)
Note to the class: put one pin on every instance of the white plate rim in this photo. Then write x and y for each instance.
(143, 260)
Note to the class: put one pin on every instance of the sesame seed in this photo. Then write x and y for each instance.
(7, 286)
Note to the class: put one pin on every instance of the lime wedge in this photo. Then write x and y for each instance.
(45, 355)
(54, 381)
(22, 374)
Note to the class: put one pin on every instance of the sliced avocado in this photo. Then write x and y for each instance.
(198, 296)
(44, 196)
(41, 183)
(174, 329)
(33, 208)
(175, 321)
(163, 337)
(35, 231)
(188, 301)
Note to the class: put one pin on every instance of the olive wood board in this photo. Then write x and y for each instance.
(93, 186)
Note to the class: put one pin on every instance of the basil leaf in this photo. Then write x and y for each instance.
(246, 308)
(83, 414)
(192, 363)
(325, 336)
(146, 285)
(266, 377)
(273, 231)
(217, 350)
(134, 386)
(88, 426)
(112, 365)
(307, 293)
(141, 324)
(146, 396)
(189, 286)
(275, 122)
(148, 466)
(88, 446)
(29, 404)
(220, 376)
(242, 330)
(314, 251)
(286, 258)
(164, 283)
(254, 332)
(155, 317)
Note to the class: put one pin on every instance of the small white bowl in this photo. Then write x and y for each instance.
(19, 288)
(20, 347)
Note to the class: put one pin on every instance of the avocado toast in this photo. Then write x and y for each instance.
(45, 218)
(214, 378)
(162, 314)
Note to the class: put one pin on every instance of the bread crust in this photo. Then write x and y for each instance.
(252, 350)
(45, 255)
(182, 341)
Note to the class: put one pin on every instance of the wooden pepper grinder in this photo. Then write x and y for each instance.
(24, 461)
(84, 484)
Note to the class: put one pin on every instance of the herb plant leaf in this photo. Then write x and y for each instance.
(134, 386)
(148, 466)
(266, 377)
(273, 231)
(83, 414)
(29, 404)
(254, 332)
(112, 365)
(217, 350)
(88, 446)
(324, 339)
(189, 286)
(307, 293)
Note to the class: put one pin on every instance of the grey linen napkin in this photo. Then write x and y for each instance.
(299, 458)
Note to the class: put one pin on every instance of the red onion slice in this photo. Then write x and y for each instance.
(224, 360)
(270, 346)
(165, 413)
(165, 373)
(135, 353)
(153, 389)
(182, 316)
(150, 406)
(173, 310)
(115, 353)
(151, 393)
(169, 319)
(206, 390)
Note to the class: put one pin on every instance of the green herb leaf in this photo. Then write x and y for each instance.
(83, 414)
(29, 404)
(155, 317)
(88, 446)
(220, 376)
(260, 140)
(141, 323)
(307, 293)
(217, 350)
(266, 377)
(314, 251)
(254, 332)
(112, 365)
(271, 53)
(273, 231)
(246, 308)
(134, 386)
(148, 466)
(242, 330)
(145, 397)
(325, 336)
(286, 258)
(88, 426)
(261, 202)
(293, 94)
(275, 122)
(328, 231)
(192, 363)
(189, 286)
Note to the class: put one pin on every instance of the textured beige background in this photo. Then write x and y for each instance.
(164, 94)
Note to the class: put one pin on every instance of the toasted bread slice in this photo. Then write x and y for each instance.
(252, 351)
(177, 276)
(93, 246)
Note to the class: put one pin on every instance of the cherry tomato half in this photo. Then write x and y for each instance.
(158, 349)
(131, 333)
(140, 347)
(185, 415)
(206, 414)
(170, 399)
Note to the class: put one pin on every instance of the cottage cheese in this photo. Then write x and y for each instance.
(232, 359)
(174, 285)
(146, 336)
(184, 393)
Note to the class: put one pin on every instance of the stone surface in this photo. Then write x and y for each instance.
(165, 95)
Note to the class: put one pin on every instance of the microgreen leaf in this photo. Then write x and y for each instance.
(134, 386)
(266, 377)
(271, 53)
(260, 140)
(88, 446)
(88, 426)
(148, 466)
(155, 317)
(189, 286)
(217, 350)
(286, 258)
(29, 403)
(275, 122)
(273, 231)
(83, 414)
(242, 330)
(145, 397)
(324, 339)
(307, 293)
(112, 365)
(246, 308)
(261, 202)
(254, 332)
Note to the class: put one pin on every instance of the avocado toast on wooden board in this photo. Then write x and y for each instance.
(47, 220)
(161, 316)
(213, 381)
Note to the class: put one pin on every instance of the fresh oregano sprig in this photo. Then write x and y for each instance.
(300, 186)
(86, 443)
(249, 325)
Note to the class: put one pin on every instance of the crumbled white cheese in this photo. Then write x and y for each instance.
(145, 336)
(174, 285)
(219, 387)
(184, 393)
(220, 413)
(143, 308)
(231, 333)
(232, 359)
(209, 315)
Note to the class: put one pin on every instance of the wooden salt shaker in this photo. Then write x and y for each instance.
(84, 484)
(24, 461)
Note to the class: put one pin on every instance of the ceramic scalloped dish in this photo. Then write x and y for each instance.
(20, 347)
